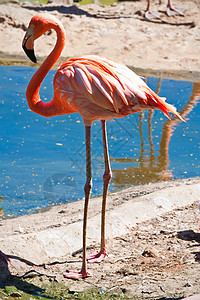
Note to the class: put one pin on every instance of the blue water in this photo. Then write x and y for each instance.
(43, 159)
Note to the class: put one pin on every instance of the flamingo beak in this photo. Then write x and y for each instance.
(28, 45)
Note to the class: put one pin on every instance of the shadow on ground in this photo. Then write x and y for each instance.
(190, 235)
(9, 281)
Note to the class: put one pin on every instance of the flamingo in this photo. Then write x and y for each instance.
(171, 11)
(98, 89)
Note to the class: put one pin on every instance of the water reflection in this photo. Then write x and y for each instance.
(170, 126)
(1, 209)
(152, 168)
(43, 159)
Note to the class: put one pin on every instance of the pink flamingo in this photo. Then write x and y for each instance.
(171, 11)
(97, 88)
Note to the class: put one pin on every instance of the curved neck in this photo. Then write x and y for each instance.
(32, 92)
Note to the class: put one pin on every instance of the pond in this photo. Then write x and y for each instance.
(43, 159)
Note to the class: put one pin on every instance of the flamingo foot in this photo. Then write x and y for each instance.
(97, 257)
(77, 275)
(172, 11)
(152, 15)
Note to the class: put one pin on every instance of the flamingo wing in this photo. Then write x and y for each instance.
(93, 85)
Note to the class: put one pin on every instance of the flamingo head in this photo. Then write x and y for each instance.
(38, 25)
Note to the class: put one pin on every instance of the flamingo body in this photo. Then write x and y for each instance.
(102, 89)
(99, 89)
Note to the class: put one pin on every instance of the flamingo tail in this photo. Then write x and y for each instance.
(159, 102)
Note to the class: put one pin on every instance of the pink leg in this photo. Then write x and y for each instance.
(149, 14)
(88, 186)
(171, 10)
(97, 257)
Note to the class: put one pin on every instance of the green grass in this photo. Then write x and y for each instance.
(83, 2)
(103, 2)
(28, 290)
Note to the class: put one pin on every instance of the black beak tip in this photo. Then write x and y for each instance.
(30, 54)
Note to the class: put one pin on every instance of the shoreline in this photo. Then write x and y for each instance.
(182, 75)
(140, 190)
(119, 31)
(68, 218)
(151, 232)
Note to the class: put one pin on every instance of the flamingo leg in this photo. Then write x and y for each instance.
(98, 257)
(171, 10)
(149, 14)
(87, 188)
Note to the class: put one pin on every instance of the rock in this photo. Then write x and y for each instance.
(76, 289)
(150, 252)
(103, 290)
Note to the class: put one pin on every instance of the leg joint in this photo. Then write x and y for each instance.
(107, 177)
(88, 186)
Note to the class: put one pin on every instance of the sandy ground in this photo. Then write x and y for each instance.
(152, 231)
(119, 31)
(152, 236)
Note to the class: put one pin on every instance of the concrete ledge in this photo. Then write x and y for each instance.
(55, 234)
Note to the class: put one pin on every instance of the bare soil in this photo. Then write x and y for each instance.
(153, 253)
(119, 31)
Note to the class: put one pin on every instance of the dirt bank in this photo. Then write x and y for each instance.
(152, 241)
(119, 31)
